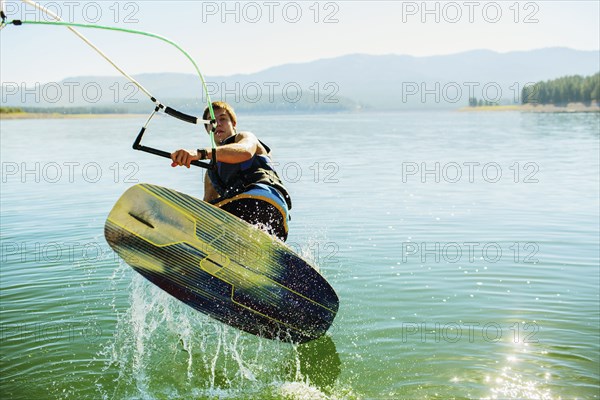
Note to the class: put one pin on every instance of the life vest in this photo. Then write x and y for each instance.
(232, 179)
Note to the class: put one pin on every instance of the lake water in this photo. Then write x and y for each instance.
(464, 248)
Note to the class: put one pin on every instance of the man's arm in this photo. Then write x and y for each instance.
(244, 148)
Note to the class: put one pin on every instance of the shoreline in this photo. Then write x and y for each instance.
(537, 108)
(546, 108)
(25, 115)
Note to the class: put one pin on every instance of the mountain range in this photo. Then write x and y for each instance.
(350, 82)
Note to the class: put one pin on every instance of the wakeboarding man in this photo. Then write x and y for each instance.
(244, 182)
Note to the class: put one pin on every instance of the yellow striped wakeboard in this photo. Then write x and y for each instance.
(220, 265)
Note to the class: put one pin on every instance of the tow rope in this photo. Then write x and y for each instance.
(158, 106)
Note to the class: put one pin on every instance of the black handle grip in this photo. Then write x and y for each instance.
(164, 154)
(137, 145)
(179, 115)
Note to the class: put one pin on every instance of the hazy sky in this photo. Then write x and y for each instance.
(242, 37)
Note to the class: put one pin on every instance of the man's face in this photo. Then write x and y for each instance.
(225, 127)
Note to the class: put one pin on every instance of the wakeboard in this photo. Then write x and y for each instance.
(220, 265)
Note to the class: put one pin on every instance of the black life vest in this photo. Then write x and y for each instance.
(232, 179)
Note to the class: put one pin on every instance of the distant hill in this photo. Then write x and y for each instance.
(351, 82)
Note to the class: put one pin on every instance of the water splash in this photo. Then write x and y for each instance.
(163, 348)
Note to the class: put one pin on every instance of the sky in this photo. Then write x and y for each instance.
(239, 37)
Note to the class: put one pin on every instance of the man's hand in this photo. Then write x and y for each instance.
(184, 157)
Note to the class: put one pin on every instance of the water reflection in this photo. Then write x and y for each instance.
(320, 361)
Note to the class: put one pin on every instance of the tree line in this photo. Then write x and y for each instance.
(474, 102)
(10, 110)
(568, 89)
